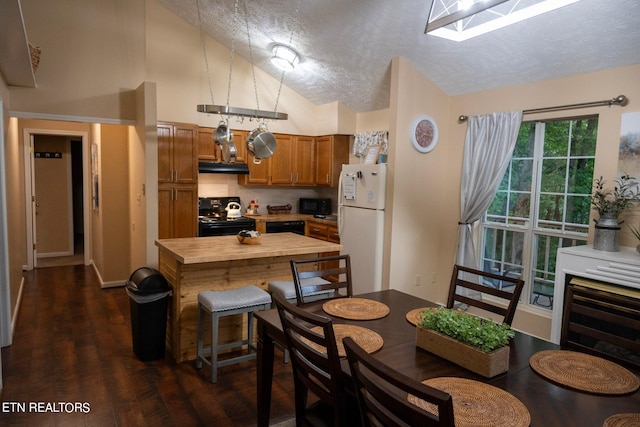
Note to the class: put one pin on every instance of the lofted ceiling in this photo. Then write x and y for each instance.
(347, 45)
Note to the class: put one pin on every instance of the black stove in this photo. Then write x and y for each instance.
(213, 221)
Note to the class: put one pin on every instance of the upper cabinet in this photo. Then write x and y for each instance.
(177, 153)
(305, 161)
(332, 152)
(300, 161)
(240, 141)
(208, 149)
(281, 169)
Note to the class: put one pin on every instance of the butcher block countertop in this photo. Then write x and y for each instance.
(196, 250)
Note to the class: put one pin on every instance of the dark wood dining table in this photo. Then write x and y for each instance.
(548, 404)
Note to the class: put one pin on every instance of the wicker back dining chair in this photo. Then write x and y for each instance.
(505, 288)
(383, 392)
(335, 270)
(314, 357)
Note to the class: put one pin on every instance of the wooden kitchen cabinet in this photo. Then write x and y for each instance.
(323, 231)
(332, 152)
(281, 170)
(276, 170)
(177, 153)
(258, 172)
(328, 233)
(177, 180)
(293, 163)
(177, 211)
(304, 161)
(208, 149)
(240, 141)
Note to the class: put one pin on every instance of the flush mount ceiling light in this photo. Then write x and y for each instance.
(284, 57)
(460, 20)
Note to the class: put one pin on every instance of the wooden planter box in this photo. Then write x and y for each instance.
(486, 364)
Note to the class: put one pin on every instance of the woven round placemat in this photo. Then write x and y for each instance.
(355, 308)
(369, 340)
(584, 372)
(415, 316)
(477, 404)
(631, 419)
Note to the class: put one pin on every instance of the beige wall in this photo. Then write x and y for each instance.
(114, 204)
(93, 58)
(419, 243)
(11, 276)
(426, 202)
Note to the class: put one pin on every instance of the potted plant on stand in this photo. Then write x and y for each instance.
(609, 204)
(475, 343)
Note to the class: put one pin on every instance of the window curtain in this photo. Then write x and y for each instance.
(363, 140)
(488, 149)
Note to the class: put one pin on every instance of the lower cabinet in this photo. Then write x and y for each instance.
(177, 211)
(322, 231)
(329, 233)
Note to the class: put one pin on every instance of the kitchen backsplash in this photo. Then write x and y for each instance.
(227, 185)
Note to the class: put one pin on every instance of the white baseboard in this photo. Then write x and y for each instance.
(55, 254)
(103, 284)
(14, 318)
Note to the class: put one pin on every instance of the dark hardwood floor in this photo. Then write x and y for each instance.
(73, 343)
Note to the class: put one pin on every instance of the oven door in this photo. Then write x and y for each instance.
(223, 228)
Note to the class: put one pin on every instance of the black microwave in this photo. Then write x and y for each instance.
(314, 206)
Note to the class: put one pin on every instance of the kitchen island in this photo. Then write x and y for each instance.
(196, 264)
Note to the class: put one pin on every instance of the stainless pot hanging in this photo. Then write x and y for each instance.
(224, 138)
(220, 135)
(261, 144)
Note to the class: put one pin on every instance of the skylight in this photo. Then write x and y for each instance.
(460, 20)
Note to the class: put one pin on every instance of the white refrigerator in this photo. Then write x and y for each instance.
(361, 200)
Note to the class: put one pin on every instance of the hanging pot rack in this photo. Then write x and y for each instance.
(241, 112)
(227, 110)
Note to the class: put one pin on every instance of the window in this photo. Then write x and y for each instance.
(542, 204)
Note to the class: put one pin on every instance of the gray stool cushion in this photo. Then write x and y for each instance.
(288, 289)
(233, 299)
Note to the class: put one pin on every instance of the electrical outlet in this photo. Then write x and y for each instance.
(418, 280)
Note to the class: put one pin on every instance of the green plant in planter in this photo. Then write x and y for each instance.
(624, 195)
(478, 332)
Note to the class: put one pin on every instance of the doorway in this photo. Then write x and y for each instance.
(57, 202)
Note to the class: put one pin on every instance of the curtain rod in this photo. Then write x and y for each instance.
(618, 100)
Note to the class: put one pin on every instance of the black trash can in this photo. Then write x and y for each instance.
(148, 292)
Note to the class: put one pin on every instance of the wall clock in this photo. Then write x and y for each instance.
(424, 134)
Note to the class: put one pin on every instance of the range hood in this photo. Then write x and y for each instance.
(217, 167)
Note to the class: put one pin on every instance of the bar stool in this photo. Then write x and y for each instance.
(246, 299)
(287, 289)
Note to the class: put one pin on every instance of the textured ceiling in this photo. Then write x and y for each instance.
(347, 45)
